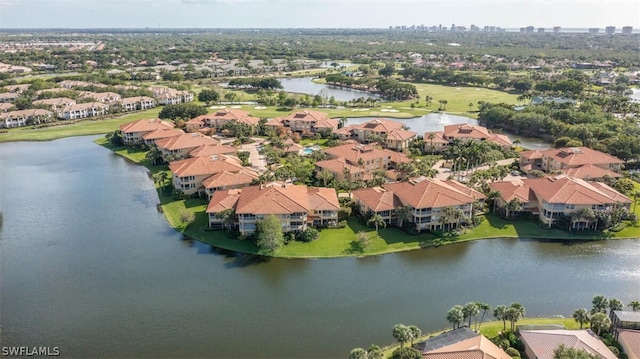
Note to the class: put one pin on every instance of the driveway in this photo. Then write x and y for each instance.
(444, 173)
(258, 161)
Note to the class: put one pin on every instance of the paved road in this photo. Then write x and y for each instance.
(258, 161)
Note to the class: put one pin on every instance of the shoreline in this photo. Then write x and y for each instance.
(199, 231)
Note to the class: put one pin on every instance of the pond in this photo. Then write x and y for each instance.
(89, 265)
(304, 85)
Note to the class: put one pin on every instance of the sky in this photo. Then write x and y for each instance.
(315, 13)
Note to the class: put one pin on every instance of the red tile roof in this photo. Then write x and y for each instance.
(186, 141)
(578, 156)
(466, 131)
(590, 171)
(275, 199)
(230, 179)
(199, 166)
(377, 198)
(146, 125)
(565, 189)
(162, 133)
(433, 193)
(477, 347)
(543, 342)
(208, 150)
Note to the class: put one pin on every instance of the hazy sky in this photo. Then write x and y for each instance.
(315, 13)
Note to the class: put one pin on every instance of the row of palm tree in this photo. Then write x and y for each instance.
(469, 154)
(459, 314)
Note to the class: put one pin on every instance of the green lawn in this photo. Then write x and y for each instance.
(82, 128)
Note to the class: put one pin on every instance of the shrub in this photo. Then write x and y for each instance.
(308, 235)
(406, 353)
(187, 216)
(514, 353)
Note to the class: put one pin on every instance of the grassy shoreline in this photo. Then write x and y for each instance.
(334, 243)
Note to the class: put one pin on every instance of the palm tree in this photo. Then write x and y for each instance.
(358, 353)
(512, 207)
(415, 333)
(325, 176)
(485, 308)
(455, 316)
(470, 310)
(377, 221)
(615, 304)
(342, 122)
(600, 304)
(402, 333)
(582, 316)
(500, 313)
(470, 106)
(375, 352)
(514, 312)
(403, 213)
(600, 322)
(635, 305)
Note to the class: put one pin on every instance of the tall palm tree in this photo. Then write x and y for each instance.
(403, 213)
(485, 308)
(635, 305)
(514, 313)
(582, 316)
(455, 316)
(470, 310)
(325, 176)
(600, 304)
(402, 333)
(415, 333)
(377, 221)
(600, 322)
(500, 313)
(615, 304)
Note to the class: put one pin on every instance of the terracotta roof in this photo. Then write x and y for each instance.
(185, 141)
(208, 150)
(230, 179)
(531, 155)
(379, 125)
(274, 199)
(58, 101)
(354, 152)
(337, 165)
(162, 133)
(128, 100)
(502, 140)
(5, 106)
(377, 198)
(514, 189)
(12, 95)
(323, 199)
(630, 341)
(543, 342)
(477, 347)
(84, 106)
(590, 171)
(146, 125)
(437, 138)
(223, 200)
(577, 156)
(433, 193)
(565, 189)
(320, 118)
(466, 131)
(25, 113)
(199, 166)
(401, 135)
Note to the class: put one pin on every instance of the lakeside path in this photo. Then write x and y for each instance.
(341, 242)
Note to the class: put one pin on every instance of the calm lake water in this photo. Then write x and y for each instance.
(89, 265)
(304, 85)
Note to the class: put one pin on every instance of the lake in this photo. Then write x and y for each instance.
(304, 85)
(89, 265)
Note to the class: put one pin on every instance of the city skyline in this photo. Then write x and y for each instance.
(508, 14)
